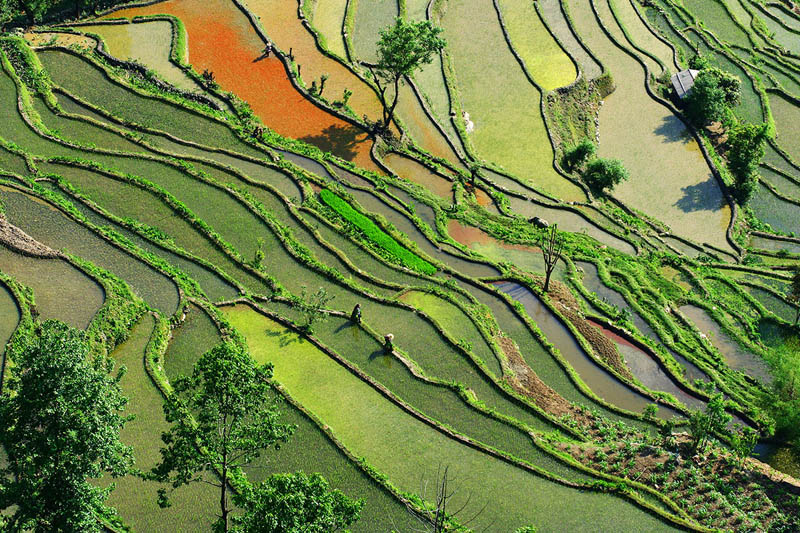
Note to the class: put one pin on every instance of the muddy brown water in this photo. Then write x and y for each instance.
(646, 369)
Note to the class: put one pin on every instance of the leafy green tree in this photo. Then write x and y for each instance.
(603, 174)
(8, 10)
(60, 421)
(36, 9)
(743, 442)
(782, 401)
(294, 503)
(402, 49)
(576, 156)
(794, 293)
(650, 411)
(223, 416)
(704, 424)
(312, 307)
(713, 94)
(699, 62)
(745, 151)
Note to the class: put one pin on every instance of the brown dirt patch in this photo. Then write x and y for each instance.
(14, 238)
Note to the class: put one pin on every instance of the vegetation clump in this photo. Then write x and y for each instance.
(60, 420)
(375, 234)
(603, 174)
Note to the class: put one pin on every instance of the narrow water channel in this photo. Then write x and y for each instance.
(601, 382)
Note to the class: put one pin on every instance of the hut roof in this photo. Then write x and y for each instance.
(683, 81)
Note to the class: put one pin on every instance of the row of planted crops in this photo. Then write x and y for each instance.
(178, 173)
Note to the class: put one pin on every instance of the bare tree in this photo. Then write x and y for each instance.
(552, 244)
(436, 515)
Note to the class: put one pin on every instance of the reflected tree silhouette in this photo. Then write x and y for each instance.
(339, 140)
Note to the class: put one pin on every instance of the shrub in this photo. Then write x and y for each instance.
(713, 94)
(745, 151)
(603, 174)
(375, 234)
(576, 156)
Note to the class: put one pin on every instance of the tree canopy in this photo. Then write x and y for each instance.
(224, 415)
(60, 421)
(294, 503)
(577, 155)
(603, 174)
(745, 151)
(402, 49)
(712, 96)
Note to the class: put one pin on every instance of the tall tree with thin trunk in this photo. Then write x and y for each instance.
(223, 416)
(552, 244)
(402, 49)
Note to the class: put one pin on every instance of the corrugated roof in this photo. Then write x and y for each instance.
(683, 81)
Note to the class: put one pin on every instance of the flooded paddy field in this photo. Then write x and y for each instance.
(443, 292)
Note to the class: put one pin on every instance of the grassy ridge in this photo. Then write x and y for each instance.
(374, 233)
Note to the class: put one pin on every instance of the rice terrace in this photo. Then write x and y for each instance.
(400, 266)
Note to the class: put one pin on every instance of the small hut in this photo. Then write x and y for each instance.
(683, 82)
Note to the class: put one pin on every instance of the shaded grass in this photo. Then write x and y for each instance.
(135, 499)
(195, 336)
(717, 19)
(87, 81)
(781, 215)
(456, 323)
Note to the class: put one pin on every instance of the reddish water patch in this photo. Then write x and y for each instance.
(222, 40)
(483, 199)
(619, 339)
(413, 171)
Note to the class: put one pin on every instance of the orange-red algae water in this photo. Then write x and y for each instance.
(222, 40)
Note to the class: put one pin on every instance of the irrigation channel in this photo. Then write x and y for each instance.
(215, 165)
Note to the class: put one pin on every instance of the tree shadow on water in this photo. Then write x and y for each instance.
(673, 129)
(339, 140)
(285, 338)
(705, 196)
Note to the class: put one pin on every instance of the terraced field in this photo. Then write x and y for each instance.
(180, 173)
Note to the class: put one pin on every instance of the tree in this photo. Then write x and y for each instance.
(577, 155)
(439, 516)
(745, 151)
(743, 442)
(60, 420)
(713, 94)
(703, 425)
(8, 10)
(603, 174)
(552, 244)
(294, 503)
(312, 307)
(223, 416)
(794, 293)
(402, 49)
(35, 9)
